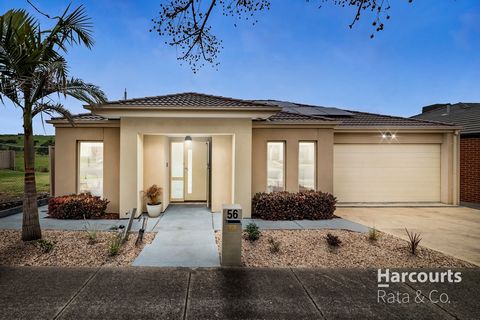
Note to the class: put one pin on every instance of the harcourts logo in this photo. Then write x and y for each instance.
(385, 277)
(407, 294)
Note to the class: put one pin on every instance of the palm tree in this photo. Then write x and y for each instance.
(32, 73)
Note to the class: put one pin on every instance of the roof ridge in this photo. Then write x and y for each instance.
(231, 99)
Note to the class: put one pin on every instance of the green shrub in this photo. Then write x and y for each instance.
(253, 232)
(115, 244)
(333, 240)
(274, 245)
(45, 245)
(81, 206)
(373, 234)
(312, 205)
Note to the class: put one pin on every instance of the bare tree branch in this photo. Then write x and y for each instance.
(185, 23)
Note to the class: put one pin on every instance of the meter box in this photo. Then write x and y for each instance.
(231, 235)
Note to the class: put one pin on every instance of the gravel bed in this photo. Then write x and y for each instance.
(308, 248)
(71, 249)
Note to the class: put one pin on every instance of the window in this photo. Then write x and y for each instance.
(177, 174)
(90, 168)
(275, 166)
(306, 166)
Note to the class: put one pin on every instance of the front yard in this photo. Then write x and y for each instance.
(308, 248)
(11, 184)
(70, 249)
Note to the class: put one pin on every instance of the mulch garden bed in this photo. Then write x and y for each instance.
(71, 249)
(308, 248)
(17, 201)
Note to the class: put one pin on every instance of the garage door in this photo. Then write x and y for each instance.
(387, 172)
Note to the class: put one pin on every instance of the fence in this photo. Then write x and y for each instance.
(7, 159)
(12, 175)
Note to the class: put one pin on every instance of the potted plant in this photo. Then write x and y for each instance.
(154, 205)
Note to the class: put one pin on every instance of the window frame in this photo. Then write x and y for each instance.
(284, 169)
(77, 183)
(314, 163)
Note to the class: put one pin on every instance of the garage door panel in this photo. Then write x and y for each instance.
(387, 173)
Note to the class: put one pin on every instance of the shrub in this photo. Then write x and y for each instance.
(312, 205)
(373, 234)
(81, 206)
(115, 244)
(333, 240)
(253, 232)
(45, 245)
(274, 245)
(91, 232)
(414, 241)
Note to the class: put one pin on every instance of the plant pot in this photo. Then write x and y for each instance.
(154, 210)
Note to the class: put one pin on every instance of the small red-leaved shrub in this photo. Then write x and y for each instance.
(77, 207)
(311, 205)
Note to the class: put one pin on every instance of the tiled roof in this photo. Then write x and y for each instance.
(289, 116)
(290, 112)
(345, 117)
(188, 100)
(373, 119)
(83, 117)
(462, 114)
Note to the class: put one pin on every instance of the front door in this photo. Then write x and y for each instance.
(189, 170)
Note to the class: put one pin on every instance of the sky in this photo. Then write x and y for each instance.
(428, 53)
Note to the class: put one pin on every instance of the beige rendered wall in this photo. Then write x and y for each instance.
(221, 171)
(131, 167)
(449, 189)
(156, 155)
(292, 137)
(66, 155)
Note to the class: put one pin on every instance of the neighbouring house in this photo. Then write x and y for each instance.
(466, 115)
(218, 150)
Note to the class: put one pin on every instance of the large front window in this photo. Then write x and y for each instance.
(90, 168)
(306, 166)
(275, 166)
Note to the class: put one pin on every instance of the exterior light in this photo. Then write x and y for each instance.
(188, 142)
(388, 136)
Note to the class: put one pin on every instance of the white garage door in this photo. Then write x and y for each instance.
(387, 172)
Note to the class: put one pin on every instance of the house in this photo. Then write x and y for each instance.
(466, 115)
(219, 150)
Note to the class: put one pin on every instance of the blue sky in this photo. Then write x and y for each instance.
(428, 53)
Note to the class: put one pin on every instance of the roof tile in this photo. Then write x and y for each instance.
(188, 100)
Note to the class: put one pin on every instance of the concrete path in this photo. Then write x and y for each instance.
(185, 238)
(224, 293)
(451, 230)
(14, 222)
(296, 224)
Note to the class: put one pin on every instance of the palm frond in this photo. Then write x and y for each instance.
(83, 91)
(50, 109)
(73, 28)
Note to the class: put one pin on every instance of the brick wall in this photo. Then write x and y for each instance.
(470, 169)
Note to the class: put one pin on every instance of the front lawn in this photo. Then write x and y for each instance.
(11, 183)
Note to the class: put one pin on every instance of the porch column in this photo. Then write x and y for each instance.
(129, 168)
(242, 169)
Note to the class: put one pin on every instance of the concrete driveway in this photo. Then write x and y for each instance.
(451, 230)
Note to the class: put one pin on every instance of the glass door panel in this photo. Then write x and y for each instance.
(177, 174)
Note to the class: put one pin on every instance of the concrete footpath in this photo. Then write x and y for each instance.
(185, 238)
(225, 293)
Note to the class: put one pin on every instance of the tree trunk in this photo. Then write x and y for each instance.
(31, 224)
